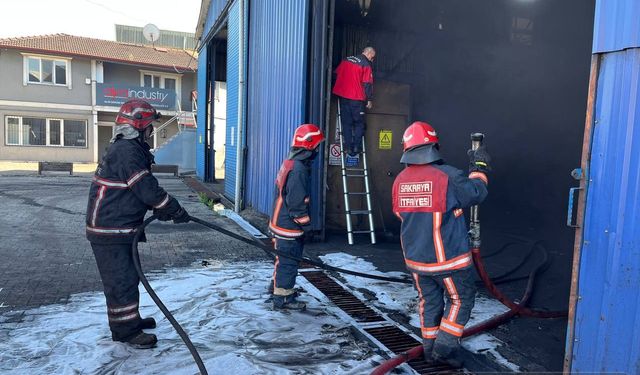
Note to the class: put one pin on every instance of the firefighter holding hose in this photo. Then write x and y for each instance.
(122, 191)
(429, 197)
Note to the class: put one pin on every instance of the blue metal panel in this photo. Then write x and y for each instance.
(276, 91)
(607, 327)
(215, 8)
(233, 56)
(617, 25)
(201, 114)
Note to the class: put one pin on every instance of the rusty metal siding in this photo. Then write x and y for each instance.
(606, 324)
(276, 91)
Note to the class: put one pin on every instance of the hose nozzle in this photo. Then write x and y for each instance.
(476, 140)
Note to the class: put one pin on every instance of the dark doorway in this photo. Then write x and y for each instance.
(216, 104)
(515, 70)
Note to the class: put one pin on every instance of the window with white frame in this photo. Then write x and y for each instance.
(162, 81)
(47, 71)
(38, 131)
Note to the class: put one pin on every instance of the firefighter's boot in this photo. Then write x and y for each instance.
(289, 302)
(446, 349)
(141, 341)
(427, 349)
(147, 323)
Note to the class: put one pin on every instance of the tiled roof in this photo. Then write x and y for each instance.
(105, 50)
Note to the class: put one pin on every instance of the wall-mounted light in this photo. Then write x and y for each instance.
(365, 5)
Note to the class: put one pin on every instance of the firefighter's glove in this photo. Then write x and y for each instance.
(479, 160)
(308, 233)
(161, 215)
(181, 216)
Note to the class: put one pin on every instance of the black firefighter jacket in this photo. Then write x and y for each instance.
(429, 200)
(290, 215)
(122, 191)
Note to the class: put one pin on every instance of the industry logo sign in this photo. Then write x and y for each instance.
(116, 95)
(415, 194)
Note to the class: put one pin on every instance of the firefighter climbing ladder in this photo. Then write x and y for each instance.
(355, 173)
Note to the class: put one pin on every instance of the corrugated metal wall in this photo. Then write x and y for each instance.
(606, 324)
(617, 25)
(202, 113)
(231, 153)
(215, 8)
(276, 91)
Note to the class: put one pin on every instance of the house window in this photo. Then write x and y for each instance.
(170, 84)
(161, 81)
(13, 130)
(34, 131)
(48, 71)
(75, 133)
(37, 131)
(55, 132)
(151, 80)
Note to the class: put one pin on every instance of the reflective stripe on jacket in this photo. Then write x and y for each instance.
(291, 206)
(429, 200)
(122, 191)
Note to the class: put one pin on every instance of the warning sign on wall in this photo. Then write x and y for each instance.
(385, 139)
(334, 154)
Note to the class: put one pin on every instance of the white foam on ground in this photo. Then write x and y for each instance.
(403, 298)
(222, 309)
(487, 344)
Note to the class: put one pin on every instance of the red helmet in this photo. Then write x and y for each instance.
(307, 136)
(137, 113)
(419, 134)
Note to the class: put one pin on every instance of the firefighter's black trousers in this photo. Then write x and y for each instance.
(437, 318)
(352, 119)
(286, 269)
(120, 281)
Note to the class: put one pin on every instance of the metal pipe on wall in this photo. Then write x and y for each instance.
(241, 88)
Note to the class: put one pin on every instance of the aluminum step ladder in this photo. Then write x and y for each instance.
(348, 173)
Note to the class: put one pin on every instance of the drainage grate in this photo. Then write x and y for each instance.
(342, 298)
(375, 325)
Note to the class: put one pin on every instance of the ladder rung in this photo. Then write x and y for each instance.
(356, 193)
(359, 212)
(355, 169)
(356, 175)
(361, 231)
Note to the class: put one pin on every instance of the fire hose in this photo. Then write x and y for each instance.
(411, 354)
(514, 308)
(253, 242)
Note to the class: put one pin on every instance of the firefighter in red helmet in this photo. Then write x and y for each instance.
(122, 191)
(429, 197)
(290, 218)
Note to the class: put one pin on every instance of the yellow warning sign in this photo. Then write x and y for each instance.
(385, 139)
